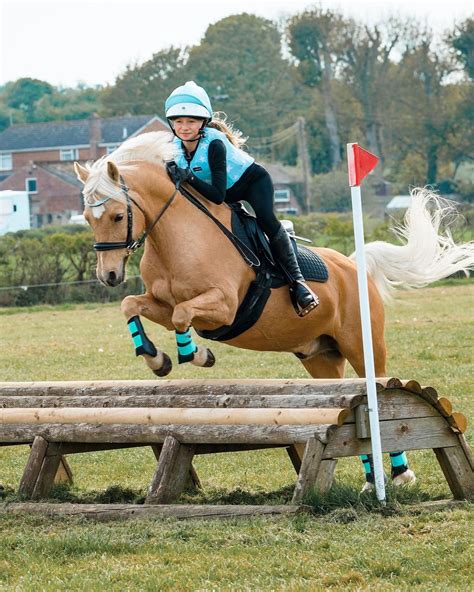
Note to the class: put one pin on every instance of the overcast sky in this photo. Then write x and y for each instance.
(67, 41)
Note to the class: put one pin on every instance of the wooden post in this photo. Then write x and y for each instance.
(458, 471)
(171, 472)
(309, 469)
(325, 476)
(45, 480)
(193, 483)
(33, 467)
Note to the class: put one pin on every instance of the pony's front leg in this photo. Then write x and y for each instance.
(211, 307)
(135, 306)
(188, 351)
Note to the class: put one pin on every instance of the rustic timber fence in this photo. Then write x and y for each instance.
(317, 421)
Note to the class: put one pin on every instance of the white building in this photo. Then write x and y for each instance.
(14, 211)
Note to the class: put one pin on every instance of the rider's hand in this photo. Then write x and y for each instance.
(178, 174)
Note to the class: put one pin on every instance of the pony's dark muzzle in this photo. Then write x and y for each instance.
(111, 278)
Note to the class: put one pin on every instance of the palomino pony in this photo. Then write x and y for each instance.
(195, 277)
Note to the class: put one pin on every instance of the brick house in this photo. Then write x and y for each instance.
(288, 188)
(38, 158)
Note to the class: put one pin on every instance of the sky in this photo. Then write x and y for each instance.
(68, 42)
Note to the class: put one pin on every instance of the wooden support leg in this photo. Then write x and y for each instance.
(193, 483)
(171, 472)
(40, 471)
(325, 475)
(309, 469)
(33, 467)
(296, 452)
(458, 471)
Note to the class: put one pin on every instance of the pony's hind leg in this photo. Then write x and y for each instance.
(400, 472)
(327, 361)
(135, 306)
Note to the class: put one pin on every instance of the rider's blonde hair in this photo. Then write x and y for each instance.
(220, 123)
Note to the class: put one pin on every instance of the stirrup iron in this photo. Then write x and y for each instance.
(302, 311)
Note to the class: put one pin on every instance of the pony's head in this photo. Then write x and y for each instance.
(111, 208)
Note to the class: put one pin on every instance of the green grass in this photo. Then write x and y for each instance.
(349, 545)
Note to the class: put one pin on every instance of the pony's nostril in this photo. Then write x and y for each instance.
(112, 278)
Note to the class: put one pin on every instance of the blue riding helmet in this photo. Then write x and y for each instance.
(188, 100)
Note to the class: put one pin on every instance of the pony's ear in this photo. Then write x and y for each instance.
(113, 171)
(81, 172)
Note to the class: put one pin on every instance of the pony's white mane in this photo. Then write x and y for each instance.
(154, 147)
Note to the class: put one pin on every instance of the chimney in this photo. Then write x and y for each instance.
(95, 136)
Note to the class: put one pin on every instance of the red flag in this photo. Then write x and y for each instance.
(359, 163)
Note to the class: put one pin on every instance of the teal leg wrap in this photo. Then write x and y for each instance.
(368, 467)
(141, 342)
(399, 463)
(186, 346)
(398, 460)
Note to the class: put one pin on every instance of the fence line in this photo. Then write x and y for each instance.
(50, 285)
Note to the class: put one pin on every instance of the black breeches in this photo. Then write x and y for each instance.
(257, 189)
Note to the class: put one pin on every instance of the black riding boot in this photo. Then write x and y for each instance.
(303, 298)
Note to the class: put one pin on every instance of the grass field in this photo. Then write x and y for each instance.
(349, 545)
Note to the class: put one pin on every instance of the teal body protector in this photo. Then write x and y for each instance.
(238, 161)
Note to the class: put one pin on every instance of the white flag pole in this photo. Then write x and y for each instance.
(367, 342)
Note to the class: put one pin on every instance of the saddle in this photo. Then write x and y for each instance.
(247, 233)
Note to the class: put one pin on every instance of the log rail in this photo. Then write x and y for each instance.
(317, 421)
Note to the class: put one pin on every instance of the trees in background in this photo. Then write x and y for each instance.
(394, 87)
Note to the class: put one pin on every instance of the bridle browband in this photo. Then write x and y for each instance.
(129, 244)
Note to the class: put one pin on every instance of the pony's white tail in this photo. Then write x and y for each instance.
(428, 254)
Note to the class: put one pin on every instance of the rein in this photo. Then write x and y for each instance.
(129, 244)
(247, 254)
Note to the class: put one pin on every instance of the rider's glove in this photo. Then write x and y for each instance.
(178, 174)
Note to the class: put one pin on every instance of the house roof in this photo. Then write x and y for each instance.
(55, 134)
(282, 174)
(63, 170)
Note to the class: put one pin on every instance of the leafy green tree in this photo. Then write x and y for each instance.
(314, 40)
(68, 103)
(428, 117)
(366, 53)
(239, 61)
(462, 41)
(25, 93)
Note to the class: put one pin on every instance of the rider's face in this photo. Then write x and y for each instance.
(187, 128)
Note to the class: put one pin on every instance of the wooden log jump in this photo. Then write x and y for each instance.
(317, 421)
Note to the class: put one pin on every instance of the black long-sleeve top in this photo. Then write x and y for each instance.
(217, 156)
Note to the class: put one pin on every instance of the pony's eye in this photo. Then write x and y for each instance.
(118, 218)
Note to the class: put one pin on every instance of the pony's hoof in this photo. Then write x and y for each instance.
(211, 360)
(165, 368)
(368, 487)
(203, 358)
(406, 478)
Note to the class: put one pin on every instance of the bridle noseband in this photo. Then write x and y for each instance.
(129, 244)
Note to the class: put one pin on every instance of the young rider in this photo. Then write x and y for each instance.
(210, 159)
